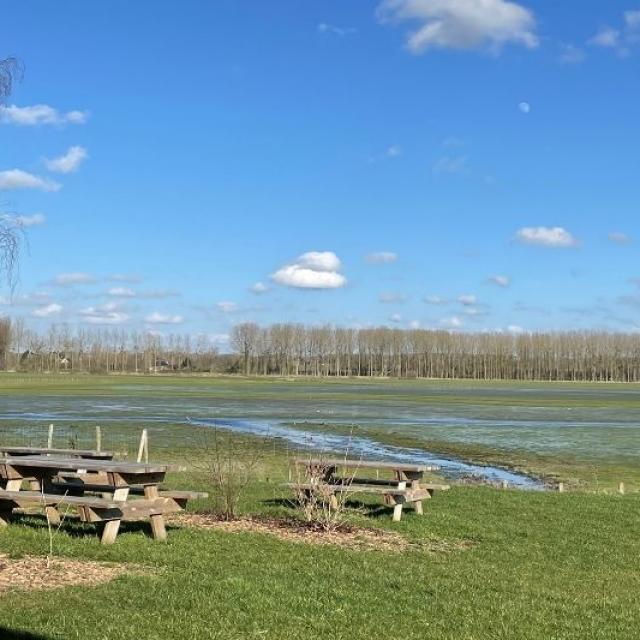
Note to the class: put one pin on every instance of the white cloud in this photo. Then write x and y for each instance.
(312, 270)
(451, 164)
(501, 281)
(18, 179)
(69, 162)
(462, 24)
(606, 37)
(390, 297)
(74, 277)
(453, 322)
(163, 318)
(121, 292)
(524, 107)
(570, 54)
(467, 299)
(382, 257)
(632, 19)
(546, 237)
(394, 151)
(227, 307)
(331, 29)
(40, 114)
(395, 317)
(619, 238)
(435, 300)
(414, 324)
(104, 314)
(49, 310)
(26, 221)
(124, 277)
(258, 288)
(514, 328)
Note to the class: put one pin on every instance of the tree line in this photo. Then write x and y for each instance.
(296, 350)
(293, 350)
(62, 349)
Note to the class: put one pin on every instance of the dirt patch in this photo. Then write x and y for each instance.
(293, 530)
(32, 572)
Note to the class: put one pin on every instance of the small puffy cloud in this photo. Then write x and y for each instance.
(390, 297)
(467, 300)
(124, 277)
(570, 54)
(163, 318)
(618, 237)
(73, 278)
(69, 162)
(226, 306)
(556, 237)
(382, 257)
(394, 151)
(514, 328)
(331, 29)
(451, 165)
(108, 314)
(259, 288)
(47, 311)
(524, 107)
(40, 114)
(632, 19)
(121, 292)
(452, 322)
(462, 24)
(501, 281)
(435, 300)
(26, 221)
(414, 324)
(395, 317)
(312, 270)
(606, 37)
(18, 179)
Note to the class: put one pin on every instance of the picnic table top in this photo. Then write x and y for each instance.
(74, 464)
(366, 464)
(37, 451)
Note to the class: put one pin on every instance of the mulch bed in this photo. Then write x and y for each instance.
(293, 530)
(34, 572)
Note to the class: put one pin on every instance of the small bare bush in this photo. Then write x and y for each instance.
(230, 463)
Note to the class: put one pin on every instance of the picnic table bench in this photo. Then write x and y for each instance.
(102, 488)
(90, 454)
(406, 486)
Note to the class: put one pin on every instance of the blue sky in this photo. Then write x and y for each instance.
(469, 164)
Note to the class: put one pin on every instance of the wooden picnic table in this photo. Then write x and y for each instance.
(407, 485)
(90, 454)
(51, 480)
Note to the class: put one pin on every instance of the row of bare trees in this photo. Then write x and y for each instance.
(293, 349)
(102, 351)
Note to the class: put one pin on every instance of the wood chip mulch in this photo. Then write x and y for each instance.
(292, 530)
(32, 572)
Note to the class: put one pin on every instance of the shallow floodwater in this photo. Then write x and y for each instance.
(542, 419)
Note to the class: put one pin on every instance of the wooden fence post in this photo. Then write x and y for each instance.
(561, 487)
(143, 448)
(621, 488)
(98, 439)
(50, 438)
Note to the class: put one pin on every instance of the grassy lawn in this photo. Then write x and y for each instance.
(514, 564)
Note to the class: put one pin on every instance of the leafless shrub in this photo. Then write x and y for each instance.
(230, 464)
(315, 493)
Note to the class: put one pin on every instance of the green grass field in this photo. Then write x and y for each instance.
(507, 564)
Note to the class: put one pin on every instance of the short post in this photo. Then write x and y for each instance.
(98, 439)
(505, 484)
(143, 448)
(50, 438)
(561, 487)
(621, 488)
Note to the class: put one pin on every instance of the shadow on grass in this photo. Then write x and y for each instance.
(369, 509)
(16, 634)
(76, 529)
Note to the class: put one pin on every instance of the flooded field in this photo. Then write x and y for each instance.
(592, 425)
